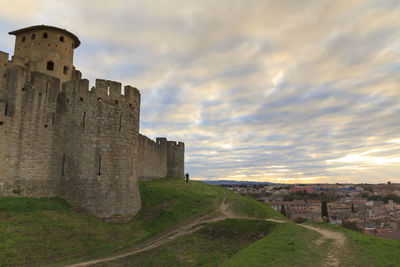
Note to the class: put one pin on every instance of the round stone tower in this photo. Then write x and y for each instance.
(47, 49)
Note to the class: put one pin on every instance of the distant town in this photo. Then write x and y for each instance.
(371, 208)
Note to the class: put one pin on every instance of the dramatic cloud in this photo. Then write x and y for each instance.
(281, 91)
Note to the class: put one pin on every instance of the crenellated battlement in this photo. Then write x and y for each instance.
(106, 92)
(3, 57)
(160, 158)
(175, 145)
(160, 143)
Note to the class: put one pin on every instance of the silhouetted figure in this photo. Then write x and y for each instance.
(187, 177)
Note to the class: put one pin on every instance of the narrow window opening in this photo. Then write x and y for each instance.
(99, 99)
(1, 122)
(33, 36)
(44, 35)
(40, 94)
(99, 170)
(130, 105)
(50, 65)
(53, 118)
(23, 39)
(63, 165)
(116, 102)
(120, 123)
(45, 126)
(65, 71)
(61, 38)
(6, 109)
(83, 120)
(23, 89)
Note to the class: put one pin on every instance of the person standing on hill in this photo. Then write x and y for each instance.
(187, 177)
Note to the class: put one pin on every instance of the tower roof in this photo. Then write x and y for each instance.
(77, 42)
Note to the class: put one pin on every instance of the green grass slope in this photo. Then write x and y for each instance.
(365, 250)
(210, 246)
(287, 245)
(46, 232)
(40, 231)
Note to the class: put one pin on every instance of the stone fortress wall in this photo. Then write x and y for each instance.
(160, 158)
(79, 144)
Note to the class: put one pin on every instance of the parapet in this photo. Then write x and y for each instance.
(18, 61)
(76, 74)
(160, 142)
(176, 145)
(109, 92)
(3, 57)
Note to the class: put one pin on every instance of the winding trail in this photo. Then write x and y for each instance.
(339, 243)
(225, 213)
(195, 225)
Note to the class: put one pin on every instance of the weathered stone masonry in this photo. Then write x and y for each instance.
(68, 141)
(160, 158)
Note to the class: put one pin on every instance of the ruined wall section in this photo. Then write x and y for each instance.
(98, 148)
(27, 106)
(152, 158)
(176, 159)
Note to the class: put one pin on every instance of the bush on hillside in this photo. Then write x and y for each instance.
(352, 226)
(300, 220)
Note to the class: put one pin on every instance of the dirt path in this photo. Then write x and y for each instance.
(225, 213)
(339, 242)
(186, 229)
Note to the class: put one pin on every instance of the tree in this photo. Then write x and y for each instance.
(352, 208)
(324, 211)
(351, 225)
(391, 197)
(283, 211)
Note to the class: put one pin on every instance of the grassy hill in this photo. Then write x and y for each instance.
(47, 232)
(39, 231)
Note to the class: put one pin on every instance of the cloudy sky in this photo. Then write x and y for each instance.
(281, 91)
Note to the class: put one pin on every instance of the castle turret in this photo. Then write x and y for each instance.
(47, 49)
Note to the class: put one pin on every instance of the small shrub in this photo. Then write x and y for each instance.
(352, 226)
(16, 191)
(300, 220)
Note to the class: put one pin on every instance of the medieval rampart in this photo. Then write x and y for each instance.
(175, 156)
(98, 139)
(160, 158)
(79, 144)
